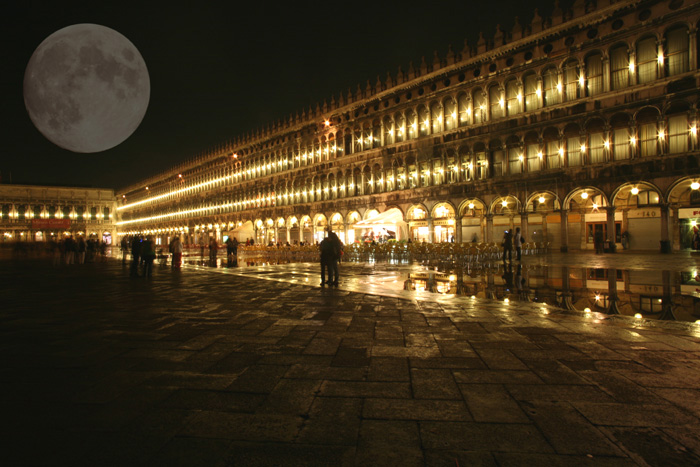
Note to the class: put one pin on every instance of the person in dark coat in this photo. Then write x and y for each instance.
(135, 255)
(507, 245)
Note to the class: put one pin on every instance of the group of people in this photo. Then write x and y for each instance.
(331, 252)
(511, 242)
(77, 251)
(143, 253)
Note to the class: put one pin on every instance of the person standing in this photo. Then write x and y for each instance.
(148, 251)
(176, 248)
(125, 248)
(82, 247)
(507, 245)
(518, 243)
(598, 241)
(213, 250)
(135, 255)
(327, 259)
(337, 253)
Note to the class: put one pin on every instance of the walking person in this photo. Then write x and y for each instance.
(507, 245)
(518, 243)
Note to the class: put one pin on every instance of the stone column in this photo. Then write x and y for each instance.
(524, 225)
(661, 66)
(665, 236)
(488, 235)
(606, 73)
(692, 49)
(613, 308)
(431, 233)
(458, 230)
(610, 221)
(564, 214)
(633, 59)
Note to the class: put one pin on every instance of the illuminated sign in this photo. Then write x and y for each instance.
(39, 224)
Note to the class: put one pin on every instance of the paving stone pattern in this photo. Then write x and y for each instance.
(204, 368)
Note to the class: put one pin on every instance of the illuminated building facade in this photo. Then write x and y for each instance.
(581, 124)
(42, 213)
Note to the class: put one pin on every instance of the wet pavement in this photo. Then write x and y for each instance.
(261, 366)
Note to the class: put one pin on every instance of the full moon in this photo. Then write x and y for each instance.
(86, 88)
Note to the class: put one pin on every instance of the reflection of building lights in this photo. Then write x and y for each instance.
(505, 300)
(638, 315)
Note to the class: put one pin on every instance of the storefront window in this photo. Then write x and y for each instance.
(593, 228)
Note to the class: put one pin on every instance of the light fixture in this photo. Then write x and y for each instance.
(635, 191)
(584, 195)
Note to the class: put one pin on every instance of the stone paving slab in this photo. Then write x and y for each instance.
(201, 367)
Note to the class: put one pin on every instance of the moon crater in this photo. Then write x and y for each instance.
(86, 88)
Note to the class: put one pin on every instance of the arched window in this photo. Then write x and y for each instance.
(677, 51)
(552, 87)
(496, 101)
(464, 109)
(678, 133)
(515, 159)
(482, 164)
(572, 82)
(512, 100)
(399, 127)
(498, 156)
(437, 117)
(411, 124)
(594, 74)
(423, 121)
(620, 66)
(574, 150)
(533, 155)
(388, 131)
(531, 92)
(647, 124)
(480, 110)
(620, 137)
(647, 60)
(450, 114)
(357, 133)
(552, 152)
(596, 143)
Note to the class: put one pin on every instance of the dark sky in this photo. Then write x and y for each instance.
(219, 69)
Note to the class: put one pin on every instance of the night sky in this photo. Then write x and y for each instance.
(219, 69)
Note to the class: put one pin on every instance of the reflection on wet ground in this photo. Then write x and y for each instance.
(642, 286)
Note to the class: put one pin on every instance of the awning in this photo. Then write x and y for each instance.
(386, 218)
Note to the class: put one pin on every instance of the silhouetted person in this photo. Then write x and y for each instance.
(148, 252)
(507, 245)
(135, 255)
